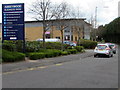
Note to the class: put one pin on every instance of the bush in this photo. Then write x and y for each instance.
(88, 44)
(52, 53)
(33, 46)
(8, 56)
(64, 53)
(79, 48)
(56, 45)
(35, 56)
(72, 51)
(44, 53)
(13, 45)
(9, 46)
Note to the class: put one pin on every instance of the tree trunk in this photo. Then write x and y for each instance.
(44, 30)
(79, 37)
(62, 48)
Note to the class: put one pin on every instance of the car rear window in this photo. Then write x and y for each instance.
(101, 46)
(112, 46)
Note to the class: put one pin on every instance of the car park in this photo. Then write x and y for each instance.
(49, 40)
(103, 49)
(114, 47)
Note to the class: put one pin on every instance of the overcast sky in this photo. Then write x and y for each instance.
(107, 9)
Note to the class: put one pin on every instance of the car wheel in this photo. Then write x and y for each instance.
(114, 52)
(109, 56)
(95, 55)
(112, 55)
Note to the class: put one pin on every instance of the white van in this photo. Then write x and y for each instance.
(49, 40)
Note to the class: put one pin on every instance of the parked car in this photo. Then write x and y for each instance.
(114, 47)
(103, 49)
(70, 43)
(49, 40)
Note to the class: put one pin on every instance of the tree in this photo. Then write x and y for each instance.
(60, 13)
(112, 31)
(43, 10)
(78, 23)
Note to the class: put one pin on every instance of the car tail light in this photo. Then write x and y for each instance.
(96, 48)
(114, 47)
(107, 48)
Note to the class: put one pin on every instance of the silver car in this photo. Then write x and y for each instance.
(114, 47)
(103, 49)
(70, 43)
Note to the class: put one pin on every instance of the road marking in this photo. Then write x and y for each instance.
(58, 64)
(31, 69)
(43, 67)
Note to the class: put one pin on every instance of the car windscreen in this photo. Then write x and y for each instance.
(101, 46)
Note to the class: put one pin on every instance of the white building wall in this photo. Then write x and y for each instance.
(87, 30)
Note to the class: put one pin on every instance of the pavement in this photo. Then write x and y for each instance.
(7, 67)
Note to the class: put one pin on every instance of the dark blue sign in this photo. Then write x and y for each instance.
(13, 21)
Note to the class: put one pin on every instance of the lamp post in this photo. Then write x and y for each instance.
(95, 22)
(96, 16)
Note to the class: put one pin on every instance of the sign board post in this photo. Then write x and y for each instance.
(13, 22)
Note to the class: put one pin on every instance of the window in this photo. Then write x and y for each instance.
(47, 35)
(75, 38)
(67, 37)
(58, 37)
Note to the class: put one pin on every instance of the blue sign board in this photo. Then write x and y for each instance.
(13, 21)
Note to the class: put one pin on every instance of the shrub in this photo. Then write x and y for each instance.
(8, 56)
(72, 51)
(13, 45)
(19, 45)
(79, 48)
(56, 53)
(52, 53)
(35, 56)
(44, 53)
(64, 53)
(9, 46)
(55, 45)
(88, 44)
(33, 46)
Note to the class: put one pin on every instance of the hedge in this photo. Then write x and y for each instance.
(64, 53)
(72, 51)
(44, 54)
(88, 44)
(79, 48)
(9, 46)
(13, 45)
(35, 56)
(8, 56)
(32, 46)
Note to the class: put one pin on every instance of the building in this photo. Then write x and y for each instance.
(73, 29)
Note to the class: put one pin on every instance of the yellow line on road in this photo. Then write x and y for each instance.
(30, 69)
(58, 64)
(43, 67)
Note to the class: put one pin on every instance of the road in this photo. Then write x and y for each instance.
(86, 72)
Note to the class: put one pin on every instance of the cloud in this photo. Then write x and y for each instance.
(87, 8)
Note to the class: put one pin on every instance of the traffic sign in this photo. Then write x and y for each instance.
(13, 21)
